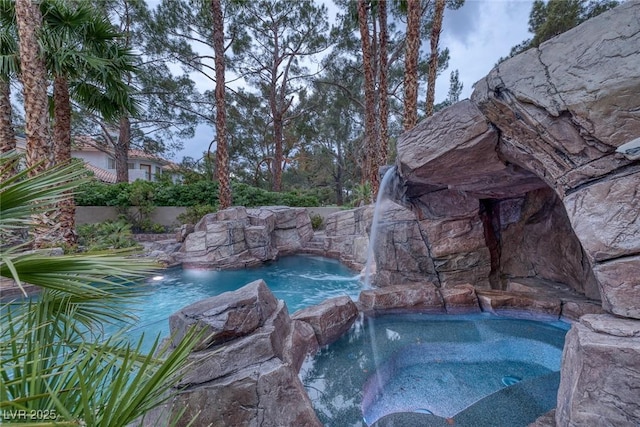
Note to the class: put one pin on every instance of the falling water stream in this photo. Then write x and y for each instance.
(385, 196)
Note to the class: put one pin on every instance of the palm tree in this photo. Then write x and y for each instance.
(34, 81)
(383, 142)
(222, 154)
(371, 131)
(54, 360)
(85, 60)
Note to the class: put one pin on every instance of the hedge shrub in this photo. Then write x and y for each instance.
(200, 193)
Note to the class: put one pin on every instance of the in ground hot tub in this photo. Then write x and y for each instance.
(470, 370)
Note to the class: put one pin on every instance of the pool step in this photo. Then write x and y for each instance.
(316, 244)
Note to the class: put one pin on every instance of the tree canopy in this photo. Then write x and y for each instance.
(278, 85)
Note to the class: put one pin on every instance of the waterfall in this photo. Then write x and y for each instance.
(387, 192)
(390, 189)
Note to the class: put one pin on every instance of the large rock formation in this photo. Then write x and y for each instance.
(245, 370)
(535, 151)
(239, 237)
(540, 134)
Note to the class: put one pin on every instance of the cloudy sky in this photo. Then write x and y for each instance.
(477, 35)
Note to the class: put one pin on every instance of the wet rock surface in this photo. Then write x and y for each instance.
(423, 298)
(329, 319)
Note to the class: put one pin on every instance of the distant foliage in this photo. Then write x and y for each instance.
(199, 193)
(245, 195)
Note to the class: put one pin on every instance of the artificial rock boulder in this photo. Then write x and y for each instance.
(238, 237)
(347, 235)
(330, 319)
(600, 376)
(445, 245)
(562, 110)
(245, 370)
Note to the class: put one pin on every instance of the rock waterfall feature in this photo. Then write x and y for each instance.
(525, 196)
(532, 156)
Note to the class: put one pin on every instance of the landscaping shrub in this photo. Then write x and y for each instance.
(58, 367)
(202, 193)
(106, 235)
(317, 222)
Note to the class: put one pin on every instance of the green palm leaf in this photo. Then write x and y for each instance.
(54, 357)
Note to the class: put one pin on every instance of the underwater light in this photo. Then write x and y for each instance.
(156, 278)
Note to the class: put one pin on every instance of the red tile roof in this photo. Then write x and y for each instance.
(101, 174)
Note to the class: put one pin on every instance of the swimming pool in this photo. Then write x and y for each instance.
(466, 370)
(300, 280)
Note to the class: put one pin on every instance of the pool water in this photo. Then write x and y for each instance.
(299, 280)
(443, 369)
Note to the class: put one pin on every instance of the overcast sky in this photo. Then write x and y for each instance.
(477, 35)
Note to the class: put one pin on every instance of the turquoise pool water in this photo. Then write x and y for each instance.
(463, 370)
(299, 280)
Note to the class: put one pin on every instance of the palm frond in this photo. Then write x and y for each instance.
(110, 383)
(23, 196)
(53, 351)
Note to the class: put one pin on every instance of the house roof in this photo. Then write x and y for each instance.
(101, 174)
(87, 143)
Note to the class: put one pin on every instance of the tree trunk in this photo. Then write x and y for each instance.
(66, 212)
(339, 175)
(274, 104)
(34, 86)
(369, 172)
(278, 156)
(62, 121)
(436, 27)
(411, 64)
(383, 86)
(121, 150)
(222, 153)
(34, 82)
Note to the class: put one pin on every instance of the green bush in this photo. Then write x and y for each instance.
(106, 235)
(317, 222)
(95, 193)
(199, 193)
